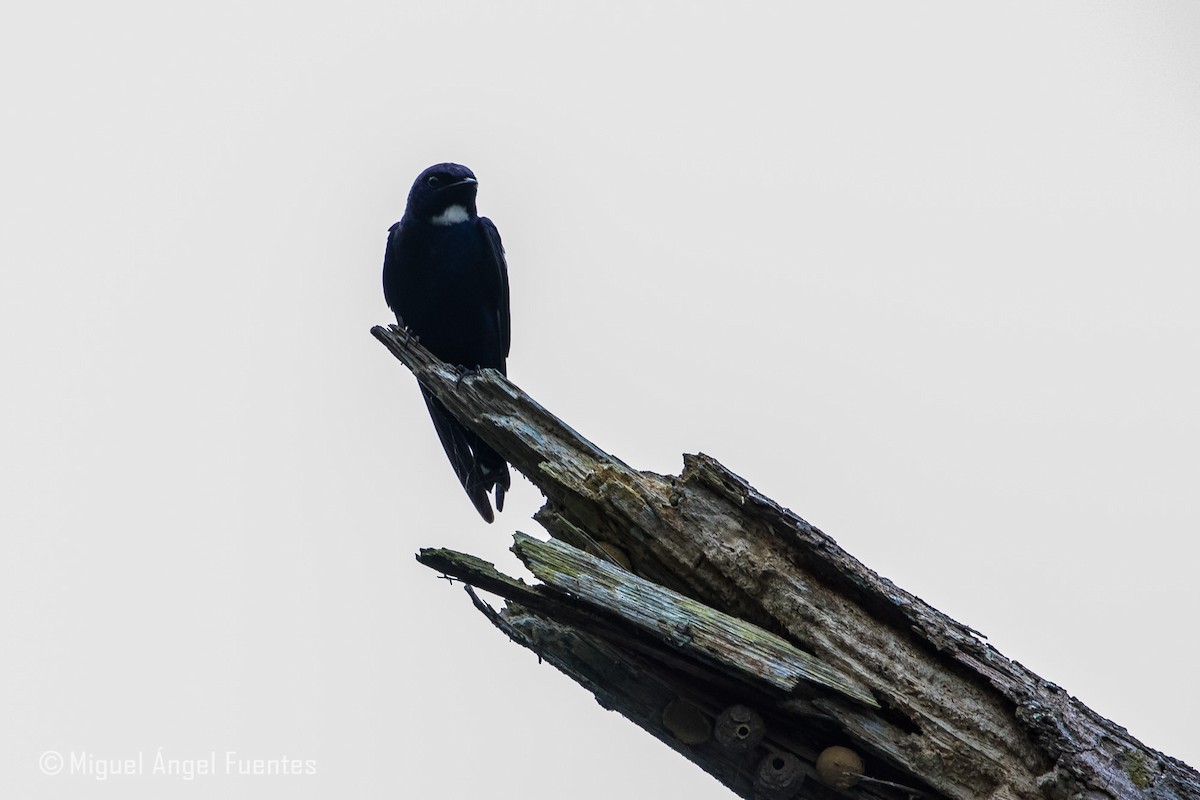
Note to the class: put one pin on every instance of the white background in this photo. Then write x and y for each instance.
(924, 273)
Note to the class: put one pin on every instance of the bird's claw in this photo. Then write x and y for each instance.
(409, 336)
(462, 373)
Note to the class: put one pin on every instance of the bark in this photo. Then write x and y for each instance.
(746, 639)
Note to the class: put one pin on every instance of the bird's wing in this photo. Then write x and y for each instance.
(391, 270)
(493, 237)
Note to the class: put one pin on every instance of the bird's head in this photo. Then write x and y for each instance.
(444, 194)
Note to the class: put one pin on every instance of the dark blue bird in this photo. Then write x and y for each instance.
(445, 277)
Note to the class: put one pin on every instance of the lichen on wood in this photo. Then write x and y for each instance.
(688, 625)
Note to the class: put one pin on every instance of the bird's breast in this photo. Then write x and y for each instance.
(444, 286)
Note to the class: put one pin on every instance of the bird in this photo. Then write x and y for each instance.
(446, 279)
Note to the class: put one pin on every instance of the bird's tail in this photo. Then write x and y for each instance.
(479, 468)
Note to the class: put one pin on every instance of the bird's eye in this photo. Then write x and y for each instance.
(433, 180)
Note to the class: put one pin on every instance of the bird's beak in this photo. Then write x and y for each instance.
(463, 182)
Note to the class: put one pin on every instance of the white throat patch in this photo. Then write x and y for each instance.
(451, 216)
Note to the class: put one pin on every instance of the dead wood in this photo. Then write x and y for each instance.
(700, 596)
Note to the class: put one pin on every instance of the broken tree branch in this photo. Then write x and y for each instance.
(934, 710)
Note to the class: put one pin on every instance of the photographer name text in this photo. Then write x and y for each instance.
(213, 763)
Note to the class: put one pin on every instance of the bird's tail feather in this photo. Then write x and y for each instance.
(479, 468)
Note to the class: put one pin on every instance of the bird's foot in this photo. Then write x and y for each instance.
(409, 336)
(463, 372)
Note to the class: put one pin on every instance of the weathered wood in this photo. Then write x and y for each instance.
(957, 719)
(641, 673)
(692, 627)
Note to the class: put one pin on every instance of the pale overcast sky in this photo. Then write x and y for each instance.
(926, 273)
